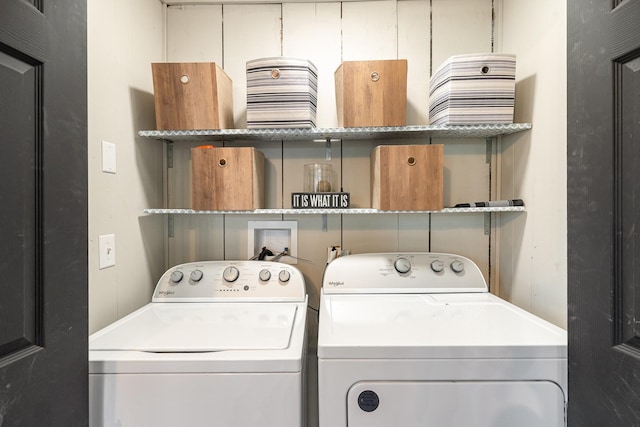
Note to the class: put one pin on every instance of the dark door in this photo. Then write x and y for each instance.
(604, 212)
(43, 213)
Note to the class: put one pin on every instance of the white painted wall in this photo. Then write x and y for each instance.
(124, 37)
(533, 247)
(526, 252)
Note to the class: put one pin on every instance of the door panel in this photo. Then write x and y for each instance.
(603, 199)
(19, 195)
(627, 291)
(43, 215)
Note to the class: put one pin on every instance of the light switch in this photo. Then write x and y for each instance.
(108, 157)
(107, 248)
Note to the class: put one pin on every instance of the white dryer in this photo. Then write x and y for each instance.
(221, 344)
(416, 339)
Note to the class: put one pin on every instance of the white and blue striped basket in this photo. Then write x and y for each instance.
(282, 92)
(473, 89)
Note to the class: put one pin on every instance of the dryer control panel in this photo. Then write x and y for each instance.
(412, 272)
(210, 281)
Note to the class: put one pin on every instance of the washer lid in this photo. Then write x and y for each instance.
(200, 327)
(433, 326)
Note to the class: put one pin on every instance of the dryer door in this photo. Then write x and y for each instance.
(456, 404)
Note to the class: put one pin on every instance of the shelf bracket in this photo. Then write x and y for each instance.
(487, 223)
(170, 225)
(327, 149)
(489, 150)
(324, 222)
(169, 154)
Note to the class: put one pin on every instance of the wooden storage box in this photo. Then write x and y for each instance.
(227, 178)
(192, 96)
(372, 93)
(407, 177)
(473, 89)
(281, 93)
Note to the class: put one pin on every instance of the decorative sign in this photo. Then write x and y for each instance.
(319, 200)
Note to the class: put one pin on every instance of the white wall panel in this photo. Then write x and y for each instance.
(196, 238)
(312, 248)
(194, 34)
(312, 31)
(369, 30)
(460, 26)
(414, 27)
(533, 251)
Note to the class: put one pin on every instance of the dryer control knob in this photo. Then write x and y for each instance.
(457, 266)
(284, 276)
(230, 274)
(402, 265)
(176, 276)
(196, 275)
(437, 266)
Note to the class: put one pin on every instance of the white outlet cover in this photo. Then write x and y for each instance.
(275, 235)
(108, 157)
(107, 249)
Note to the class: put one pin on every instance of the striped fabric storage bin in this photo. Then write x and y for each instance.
(281, 93)
(473, 89)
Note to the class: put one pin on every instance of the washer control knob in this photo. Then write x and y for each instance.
(402, 265)
(457, 266)
(284, 276)
(437, 266)
(264, 275)
(196, 276)
(230, 274)
(176, 276)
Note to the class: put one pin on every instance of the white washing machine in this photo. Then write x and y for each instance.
(221, 344)
(416, 339)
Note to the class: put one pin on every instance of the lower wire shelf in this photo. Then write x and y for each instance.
(349, 211)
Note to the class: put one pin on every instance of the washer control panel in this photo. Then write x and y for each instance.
(415, 272)
(210, 281)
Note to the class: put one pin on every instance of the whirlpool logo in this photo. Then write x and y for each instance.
(166, 293)
(336, 283)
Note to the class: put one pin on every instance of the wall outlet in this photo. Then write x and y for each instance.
(107, 249)
(332, 253)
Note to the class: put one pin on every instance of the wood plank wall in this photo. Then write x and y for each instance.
(425, 33)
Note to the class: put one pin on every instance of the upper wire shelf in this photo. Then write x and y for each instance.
(324, 134)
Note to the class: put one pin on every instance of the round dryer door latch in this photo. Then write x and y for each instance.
(368, 401)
